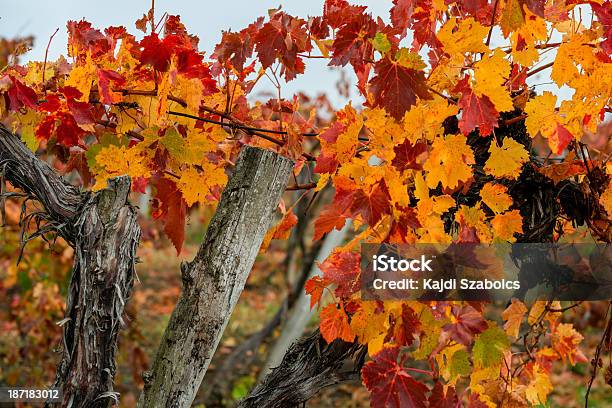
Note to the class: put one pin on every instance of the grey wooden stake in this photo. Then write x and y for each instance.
(213, 281)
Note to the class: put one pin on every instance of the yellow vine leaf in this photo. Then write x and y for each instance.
(26, 123)
(453, 362)
(496, 197)
(344, 138)
(576, 110)
(175, 144)
(507, 224)
(200, 142)
(82, 77)
(565, 340)
(557, 127)
(189, 90)
(474, 217)
(162, 95)
(421, 192)
(446, 74)
(424, 121)
(126, 121)
(126, 60)
(370, 327)
(323, 46)
(490, 74)
(112, 161)
(196, 185)
(541, 115)
(395, 185)
(538, 311)
(359, 170)
(449, 161)
(429, 210)
(478, 377)
(218, 100)
(595, 86)
(429, 338)
(148, 104)
(539, 387)
(506, 161)
(489, 347)
(35, 73)
(463, 36)
(533, 30)
(513, 315)
(512, 17)
(576, 51)
(384, 131)
(322, 182)
(409, 59)
(347, 140)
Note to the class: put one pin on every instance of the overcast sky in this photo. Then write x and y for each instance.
(204, 18)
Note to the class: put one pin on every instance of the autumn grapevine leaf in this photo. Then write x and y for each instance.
(401, 13)
(341, 269)
(406, 155)
(390, 384)
(396, 87)
(466, 323)
(283, 37)
(171, 208)
(335, 324)
(477, 112)
(442, 398)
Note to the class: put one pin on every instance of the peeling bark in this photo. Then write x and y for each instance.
(107, 236)
(213, 281)
(309, 366)
(28, 173)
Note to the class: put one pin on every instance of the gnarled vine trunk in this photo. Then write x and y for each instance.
(213, 281)
(102, 228)
(310, 365)
(107, 236)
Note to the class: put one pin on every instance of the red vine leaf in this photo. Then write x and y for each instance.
(107, 79)
(334, 324)
(406, 330)
(352, 44)
(406, 155)
(466, 322)
(401, 13)
(329, 219)
(396, 87)
(170, 206)
(342, 268)
(372, 205)
(390, 384)
(20, 95)
(315, 287)
(441, 399)
(283, 37)
(477, 111)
